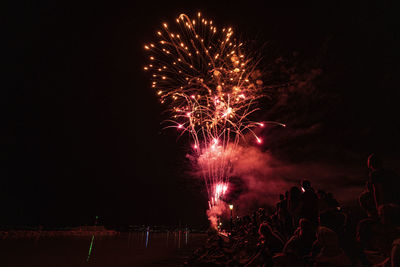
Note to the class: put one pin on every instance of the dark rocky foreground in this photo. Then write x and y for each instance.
(219, 250)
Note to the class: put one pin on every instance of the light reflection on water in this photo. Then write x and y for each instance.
(136, 248)
(170, 239)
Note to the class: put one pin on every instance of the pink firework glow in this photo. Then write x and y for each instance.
(218, 191)
(211, 85)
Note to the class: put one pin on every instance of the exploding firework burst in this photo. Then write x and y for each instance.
(211, 86)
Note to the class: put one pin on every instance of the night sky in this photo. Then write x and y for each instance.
(81, 133)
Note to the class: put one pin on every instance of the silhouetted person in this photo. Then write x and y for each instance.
(281, 200)
(331, 254)
(261, 217)
(270, 238)
(389, 215)
(298, 246)
(367, 203)
(322, 201)
(294, 205)
(383, 184)
(367, 228)
(336, 220)
(395, 254)
(332, 202)
(309, 199)
(270, 244)
(285, 222)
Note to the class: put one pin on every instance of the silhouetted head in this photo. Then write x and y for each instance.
(306, 184)
(281, 197)
(374, 162)
(265, 230)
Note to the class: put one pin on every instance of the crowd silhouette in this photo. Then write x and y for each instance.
(311, 228)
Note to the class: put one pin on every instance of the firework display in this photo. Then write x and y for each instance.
(211, 85)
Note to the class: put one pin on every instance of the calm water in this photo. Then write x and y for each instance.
(126, 249)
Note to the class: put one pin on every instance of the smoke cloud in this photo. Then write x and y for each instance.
(265, 177)
(216, 212)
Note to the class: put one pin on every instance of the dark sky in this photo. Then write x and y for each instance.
(81, 135)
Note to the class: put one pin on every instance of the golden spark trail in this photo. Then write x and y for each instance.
(211, 87)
